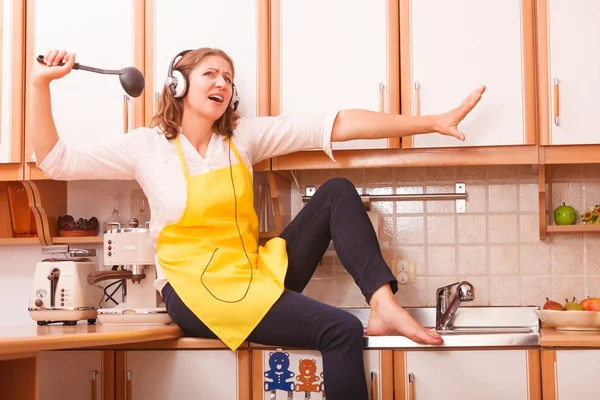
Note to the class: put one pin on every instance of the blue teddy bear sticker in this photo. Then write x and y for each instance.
(278, 377)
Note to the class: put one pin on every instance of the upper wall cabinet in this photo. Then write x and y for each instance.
(569, 61)
(334, 55)
(232, 26)
(11, 88)
(449, 48)
(238, 27)
(88, 107)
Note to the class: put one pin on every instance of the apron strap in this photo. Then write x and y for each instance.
(237, 155)
(181, 159)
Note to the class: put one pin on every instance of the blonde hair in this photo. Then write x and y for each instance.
(170, 109)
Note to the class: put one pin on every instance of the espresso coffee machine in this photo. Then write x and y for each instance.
(60, 292)
(130, 251)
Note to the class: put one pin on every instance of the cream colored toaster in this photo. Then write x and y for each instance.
(60, 292)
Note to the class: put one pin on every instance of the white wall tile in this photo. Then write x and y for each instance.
(441, 260)
(472, 228)
(473, 260)
(503, 229)
(502, 198)
(441, 230)
(504, 259)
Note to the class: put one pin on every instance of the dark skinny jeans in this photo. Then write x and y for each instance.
(334, 212)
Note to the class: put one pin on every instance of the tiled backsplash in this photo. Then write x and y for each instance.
(495, 245)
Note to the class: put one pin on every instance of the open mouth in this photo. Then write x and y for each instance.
(216, 97)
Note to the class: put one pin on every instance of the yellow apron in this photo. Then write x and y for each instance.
(204, 261)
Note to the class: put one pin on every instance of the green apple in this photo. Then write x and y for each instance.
(565, 215)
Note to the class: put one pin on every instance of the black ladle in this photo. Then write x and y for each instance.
(131, 78)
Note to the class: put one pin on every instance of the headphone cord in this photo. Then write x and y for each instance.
(241, 240)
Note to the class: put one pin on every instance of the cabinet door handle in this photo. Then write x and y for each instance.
(94, 385)
(411, 386)
(556, 102)
(128, 395)
(125, 114)
(417, 99)
(381, 97)
(374, 394)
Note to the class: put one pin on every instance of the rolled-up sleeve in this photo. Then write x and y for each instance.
(266, 137)
(111, 159)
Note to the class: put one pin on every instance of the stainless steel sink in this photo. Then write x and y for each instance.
(485, 331)
(472, 327)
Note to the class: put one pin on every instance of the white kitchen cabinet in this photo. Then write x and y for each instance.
(576, 376)
(181, 374)
(89, 107)
(572, 52)
(473, 374)
(312, 364)
(332, 55)
(190, 24)
(76, 375)
(11, 80)
(450, 48)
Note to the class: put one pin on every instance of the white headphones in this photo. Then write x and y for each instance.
(178, 85)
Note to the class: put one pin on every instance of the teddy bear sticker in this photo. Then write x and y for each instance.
(307, 377)
(279, 376)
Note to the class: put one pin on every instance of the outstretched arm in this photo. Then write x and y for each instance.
(363, 124)
(113, 158)
(41, 122)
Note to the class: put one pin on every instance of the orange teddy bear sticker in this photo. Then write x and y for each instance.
(307, 377)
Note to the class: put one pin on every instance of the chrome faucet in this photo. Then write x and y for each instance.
(445, 308)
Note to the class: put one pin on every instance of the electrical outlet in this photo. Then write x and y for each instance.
(404, 270)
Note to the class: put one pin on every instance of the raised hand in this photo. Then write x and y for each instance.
(447, 123)
(51, 70)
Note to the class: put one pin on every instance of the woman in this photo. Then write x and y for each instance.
(194, 166)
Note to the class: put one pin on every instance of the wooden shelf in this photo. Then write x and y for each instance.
(572, 228)
(19, 241)
(55, 240)
(79, 239)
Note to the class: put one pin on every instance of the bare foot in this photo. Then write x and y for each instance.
(388, 318)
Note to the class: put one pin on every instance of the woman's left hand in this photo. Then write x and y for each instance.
(447, 123)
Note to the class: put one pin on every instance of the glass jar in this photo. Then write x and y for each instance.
(21, 217)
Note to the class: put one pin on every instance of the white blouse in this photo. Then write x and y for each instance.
(145, 155)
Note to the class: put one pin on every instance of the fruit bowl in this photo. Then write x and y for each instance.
(570, 320)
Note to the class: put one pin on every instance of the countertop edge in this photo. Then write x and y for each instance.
(171, 337)
(551, 337)
(69, 341)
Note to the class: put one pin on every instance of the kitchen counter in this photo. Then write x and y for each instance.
(15, 340)
(27, 339)
(551, 337)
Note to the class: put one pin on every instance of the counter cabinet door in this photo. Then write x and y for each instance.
(458, 375)
(573, 57)
(304, 370)
(576, 374)
(71, 375)
(332, 55)
(449, 49)
(180, 374)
